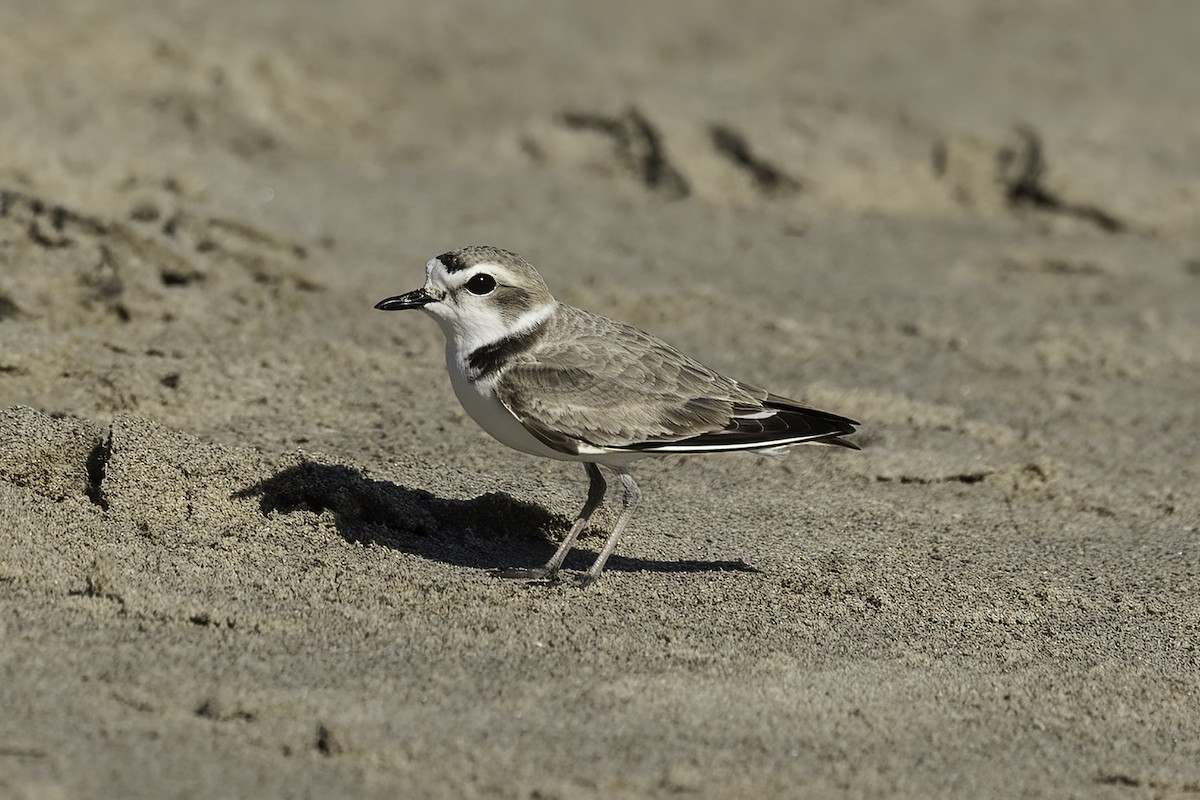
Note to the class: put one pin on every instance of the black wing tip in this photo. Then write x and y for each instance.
(783, 404)
(807, 416)
(807, 426)
(840, 442)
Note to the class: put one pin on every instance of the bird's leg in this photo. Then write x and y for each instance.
(629, 504)
(596, 489)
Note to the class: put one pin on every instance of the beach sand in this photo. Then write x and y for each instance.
(246, 530)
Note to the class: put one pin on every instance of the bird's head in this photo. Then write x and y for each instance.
(478, 295)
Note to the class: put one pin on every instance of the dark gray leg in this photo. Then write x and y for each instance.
(596, 488)
(629, 504)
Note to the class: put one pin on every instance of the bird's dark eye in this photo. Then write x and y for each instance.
(481, 283)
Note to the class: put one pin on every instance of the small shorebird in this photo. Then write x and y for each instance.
(552, 380)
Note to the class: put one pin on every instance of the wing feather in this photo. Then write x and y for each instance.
(598, 383)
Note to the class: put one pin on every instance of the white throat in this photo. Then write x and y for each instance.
(479, 330)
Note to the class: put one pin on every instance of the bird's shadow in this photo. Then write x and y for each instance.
(494, 530)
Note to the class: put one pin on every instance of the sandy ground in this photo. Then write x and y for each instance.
(246, 531)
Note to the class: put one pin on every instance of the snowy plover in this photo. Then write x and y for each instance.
(551, 380)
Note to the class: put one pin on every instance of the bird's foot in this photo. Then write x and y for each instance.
(546, 574)
(577, 579)
(526, 573)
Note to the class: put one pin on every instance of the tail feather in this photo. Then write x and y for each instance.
(778, 422)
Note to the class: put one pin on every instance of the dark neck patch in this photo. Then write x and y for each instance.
(491, 358)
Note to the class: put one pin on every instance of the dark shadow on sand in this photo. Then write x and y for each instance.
(491, 531)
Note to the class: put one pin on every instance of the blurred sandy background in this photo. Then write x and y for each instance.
(245, 529)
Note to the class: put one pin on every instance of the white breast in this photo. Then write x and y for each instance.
(491, 415)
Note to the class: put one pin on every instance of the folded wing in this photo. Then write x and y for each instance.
(605, 386)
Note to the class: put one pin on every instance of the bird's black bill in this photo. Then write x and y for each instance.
(417, 298)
